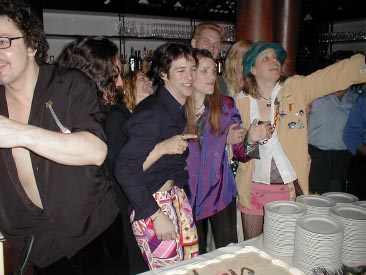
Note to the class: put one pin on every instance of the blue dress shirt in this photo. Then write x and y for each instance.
(355, 130)
(327, 119)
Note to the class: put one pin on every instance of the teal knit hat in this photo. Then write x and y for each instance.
(251, 55)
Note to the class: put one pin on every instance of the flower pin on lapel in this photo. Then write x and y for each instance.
(63, 129)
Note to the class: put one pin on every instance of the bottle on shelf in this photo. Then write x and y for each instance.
(125, 66)
(139, 61)
(132, 61)
(145, 62)
(51, 59)
(219, 64)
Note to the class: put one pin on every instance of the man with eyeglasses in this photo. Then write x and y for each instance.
(5, 42)
(51, 149)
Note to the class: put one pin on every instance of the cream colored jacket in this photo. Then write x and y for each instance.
(296, 93)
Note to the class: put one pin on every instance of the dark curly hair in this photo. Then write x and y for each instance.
(27, 21)
(95, 56)
(166, 54)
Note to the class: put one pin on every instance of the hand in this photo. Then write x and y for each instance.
(164, 227)
(258, 132)
(235, 136)
(175, 145)
(362, 149)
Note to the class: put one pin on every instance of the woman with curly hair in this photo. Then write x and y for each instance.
(98, 58)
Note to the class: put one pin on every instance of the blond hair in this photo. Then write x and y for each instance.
(236, 52)
(129, 91)
(206, 26)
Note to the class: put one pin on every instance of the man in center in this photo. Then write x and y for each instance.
(151, 167)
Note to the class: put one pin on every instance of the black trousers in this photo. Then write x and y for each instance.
(356, 183)
(328, 170)
(102, 256)
(223, 226)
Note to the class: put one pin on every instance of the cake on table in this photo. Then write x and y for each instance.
(244, 261)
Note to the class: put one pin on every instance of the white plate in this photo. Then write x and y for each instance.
(316, 201)
(285, 207)
(360, 203)
(341, 197)
(320, 224)
(350, 211)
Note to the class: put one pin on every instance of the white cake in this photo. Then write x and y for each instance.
(245, 261)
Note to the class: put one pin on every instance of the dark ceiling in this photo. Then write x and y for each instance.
(222, 10)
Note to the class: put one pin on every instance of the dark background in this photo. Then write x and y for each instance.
(317, 16)
(222, 10)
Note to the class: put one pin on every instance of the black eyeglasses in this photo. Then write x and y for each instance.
(5, 42)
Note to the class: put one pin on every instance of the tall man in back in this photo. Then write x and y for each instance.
(51, 147)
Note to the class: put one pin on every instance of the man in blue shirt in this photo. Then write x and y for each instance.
(329, 156)
(354, 136)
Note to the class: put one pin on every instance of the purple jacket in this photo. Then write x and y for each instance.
(211, 182)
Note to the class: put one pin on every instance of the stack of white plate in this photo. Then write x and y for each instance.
(318, 243)
(280, 225)
(360, 203)
(341, 197)
(316, 204)
(354, 242)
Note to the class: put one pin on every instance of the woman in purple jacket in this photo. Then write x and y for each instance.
(212, 189)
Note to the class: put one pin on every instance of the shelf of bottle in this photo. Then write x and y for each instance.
(342, 37)
(124, 38)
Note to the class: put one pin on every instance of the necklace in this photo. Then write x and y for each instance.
(200, 111)
(277, 112)
(268, 100)
(199, 106)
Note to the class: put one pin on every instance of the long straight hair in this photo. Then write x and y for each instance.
(212, 102)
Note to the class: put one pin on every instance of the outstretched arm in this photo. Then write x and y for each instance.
(79, 148)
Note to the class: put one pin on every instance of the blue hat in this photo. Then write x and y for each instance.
(251, 55)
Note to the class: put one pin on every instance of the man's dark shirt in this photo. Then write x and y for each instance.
(116, 136)
(78, 203)
(155, 119)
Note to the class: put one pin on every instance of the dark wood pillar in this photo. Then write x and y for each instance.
(286, 28)
(254, 20)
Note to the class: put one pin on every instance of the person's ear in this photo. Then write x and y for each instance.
(253, 70)
(164, 76)
(193, 42)
(31, 52)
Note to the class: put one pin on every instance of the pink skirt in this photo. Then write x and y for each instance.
(261, 194)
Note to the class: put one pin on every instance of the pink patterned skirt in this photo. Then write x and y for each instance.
(157, 253)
